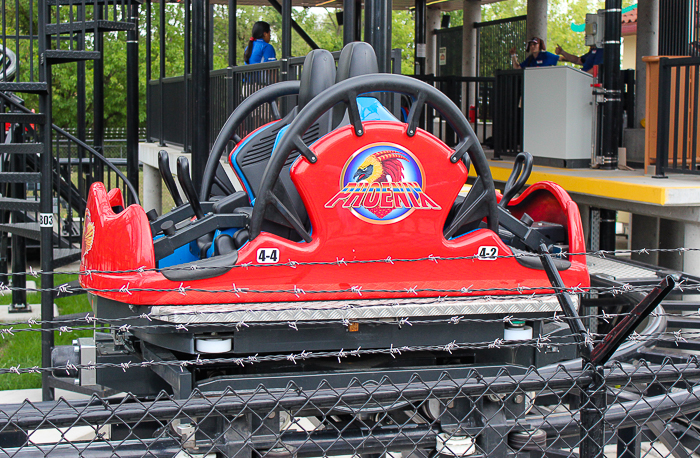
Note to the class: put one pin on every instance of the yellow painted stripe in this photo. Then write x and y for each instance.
(603, 187)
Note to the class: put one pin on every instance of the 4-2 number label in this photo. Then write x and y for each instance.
(488, 253)
(268, 255)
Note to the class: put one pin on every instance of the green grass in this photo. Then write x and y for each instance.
(24, 347)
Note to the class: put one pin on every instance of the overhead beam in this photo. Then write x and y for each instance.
(297, 28)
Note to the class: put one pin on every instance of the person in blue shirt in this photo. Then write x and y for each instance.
(593, 57)
(259, 49)
(538, 55)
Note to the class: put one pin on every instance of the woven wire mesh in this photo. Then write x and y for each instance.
(508, 411)
(470, 396)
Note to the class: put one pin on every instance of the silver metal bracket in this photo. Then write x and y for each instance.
(186, 430)
(86, 348)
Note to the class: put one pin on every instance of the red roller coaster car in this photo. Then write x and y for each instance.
(385, 220)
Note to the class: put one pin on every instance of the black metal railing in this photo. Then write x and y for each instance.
(20, 38)
(679, 29)
(677, 129)
(72, 20)
(76, 165)
(508, 113)
(474, 94)
(169, 116)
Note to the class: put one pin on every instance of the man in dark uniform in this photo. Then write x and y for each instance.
(593, 57)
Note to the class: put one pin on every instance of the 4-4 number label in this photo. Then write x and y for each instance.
(488, 253)
(268, 255)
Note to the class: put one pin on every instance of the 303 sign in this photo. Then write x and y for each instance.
(45, 219)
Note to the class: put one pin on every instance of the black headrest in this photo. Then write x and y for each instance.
(317, 75)
(356, 58)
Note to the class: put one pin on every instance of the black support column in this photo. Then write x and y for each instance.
(46, 208)
(378, 31)
(420, 37)
(200, 88)
(161, 71)
(608, 219)
(99, 93)
(232, 7)
(352, 20)
(210, 37)
(186, 114)
(612, 108)
(286, 29)
(132, 101)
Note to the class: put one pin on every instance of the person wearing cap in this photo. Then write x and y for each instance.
(593, 57)
(537, 57)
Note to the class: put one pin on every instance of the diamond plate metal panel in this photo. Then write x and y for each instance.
(355, 310)
(616, 269)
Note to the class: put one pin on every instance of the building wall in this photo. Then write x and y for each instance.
(629, 52)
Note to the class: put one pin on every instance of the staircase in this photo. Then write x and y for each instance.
(45, 172)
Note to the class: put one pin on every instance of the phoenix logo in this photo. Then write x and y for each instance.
(382, 183)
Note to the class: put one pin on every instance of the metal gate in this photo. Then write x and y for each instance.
(496, 38)
(678, 28)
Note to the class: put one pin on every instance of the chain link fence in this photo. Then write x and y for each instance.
(482, 383)
(479, 411)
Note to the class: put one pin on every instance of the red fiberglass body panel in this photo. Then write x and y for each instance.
(381, 199)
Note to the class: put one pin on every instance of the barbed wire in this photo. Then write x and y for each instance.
(540, 343)
(343, 262)
(521, 291)
(91, 321)
(358, 290)
(349, 305)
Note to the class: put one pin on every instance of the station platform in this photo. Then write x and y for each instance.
(676, 197)
(619, 185)
(665, 212)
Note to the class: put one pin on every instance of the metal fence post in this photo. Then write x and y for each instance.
(230, 102)
(285, 76)
(161, 44)
(132, 104)
(663, 117)
(46, 213)
(593, 403)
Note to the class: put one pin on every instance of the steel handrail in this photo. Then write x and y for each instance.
(132, 190)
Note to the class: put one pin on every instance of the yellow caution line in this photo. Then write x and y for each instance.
(595, 186)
